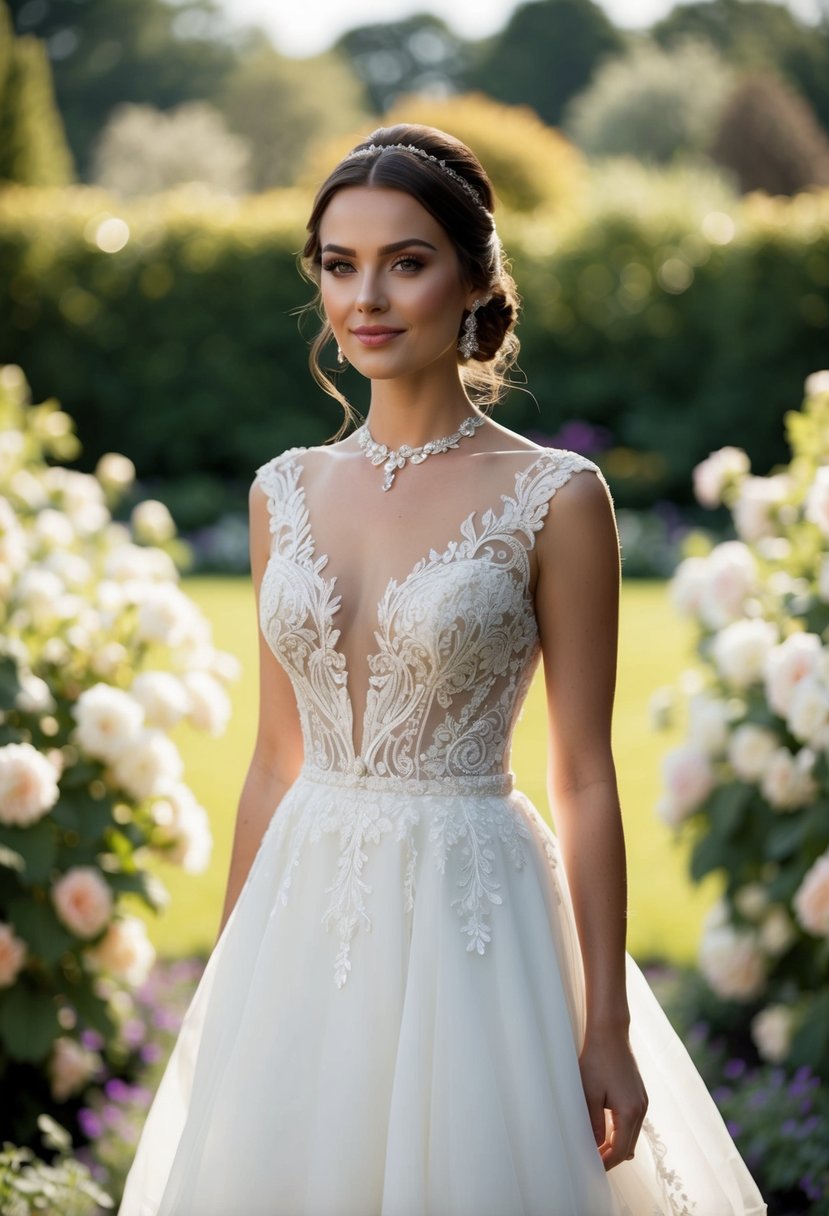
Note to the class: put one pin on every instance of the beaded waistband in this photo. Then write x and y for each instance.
(358, 778)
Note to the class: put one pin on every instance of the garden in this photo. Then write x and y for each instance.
(153, 353)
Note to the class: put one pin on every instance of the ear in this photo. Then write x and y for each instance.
(479, 294)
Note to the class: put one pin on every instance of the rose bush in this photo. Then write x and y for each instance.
(750, 785)
(101, 655)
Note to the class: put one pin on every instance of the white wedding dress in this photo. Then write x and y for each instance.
(388, 1024)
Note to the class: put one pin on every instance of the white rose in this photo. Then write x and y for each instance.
(188, 826)
(53, 529)
(105, 661)
(35, 696)
(28, 785)
(71, 1066)
(688, 779)
(817, 500)
(816, 383)
(753, 509)
(166, 616)
(714, 473)
(811, 900)
(771, 1030)
(71, 568)
(163, 696)
(225, 666)
(708, 724)
(777, 931)
(152, 522)
(787, 782)
(38, 591)
(786, 665)
(149, 763)
(12, 955)
(741, 649)
(732, 962)
(731, 579)
(209, 703)
(108, 719)
(688, 585)
(125, 951)
(115, 472)
(750, 749)
(127, 561)
(808, 714)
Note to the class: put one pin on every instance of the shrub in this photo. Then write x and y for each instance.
(770, 139)
(101, 654)
(28, 1185)
(651, 103)
(751, 782)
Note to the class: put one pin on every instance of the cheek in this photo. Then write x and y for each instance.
(438, 300)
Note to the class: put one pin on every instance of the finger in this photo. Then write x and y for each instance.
(598, 1121)
(621, 1142)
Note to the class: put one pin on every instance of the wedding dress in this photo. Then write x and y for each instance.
(388, 1023)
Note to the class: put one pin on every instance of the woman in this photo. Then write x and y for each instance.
(419, 1003)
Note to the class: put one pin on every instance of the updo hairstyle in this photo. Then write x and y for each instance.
(468, 224)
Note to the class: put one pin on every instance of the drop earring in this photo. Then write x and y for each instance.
(340, 356)
(468, 341)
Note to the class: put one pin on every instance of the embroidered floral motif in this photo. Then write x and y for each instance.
(674, 1193)
(457, 644)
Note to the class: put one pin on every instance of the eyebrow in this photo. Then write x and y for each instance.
(395, 247)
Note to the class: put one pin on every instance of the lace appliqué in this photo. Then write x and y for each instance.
(457, 644)
(678, 1200)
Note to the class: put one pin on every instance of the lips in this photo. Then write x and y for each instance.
(375, 335)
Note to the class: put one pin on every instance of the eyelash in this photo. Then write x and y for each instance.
(335, 265)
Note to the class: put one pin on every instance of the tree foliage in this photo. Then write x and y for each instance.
(769, 138)
(648, 103)
(546, 53)
(33, 149)
(417, 55)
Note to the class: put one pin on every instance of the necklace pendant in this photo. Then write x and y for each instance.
(388, 479)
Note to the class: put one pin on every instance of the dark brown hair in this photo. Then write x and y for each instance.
(468, 224)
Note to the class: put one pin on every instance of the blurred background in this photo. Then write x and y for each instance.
(660, 173)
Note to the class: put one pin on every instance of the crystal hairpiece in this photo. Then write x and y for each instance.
(373, 149)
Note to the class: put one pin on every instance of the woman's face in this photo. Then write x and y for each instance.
(391, 282)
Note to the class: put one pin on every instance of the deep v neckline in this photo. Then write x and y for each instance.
(317, 562)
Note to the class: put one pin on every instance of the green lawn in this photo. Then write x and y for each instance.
(665, 910)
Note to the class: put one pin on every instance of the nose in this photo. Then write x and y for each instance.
(371, 297)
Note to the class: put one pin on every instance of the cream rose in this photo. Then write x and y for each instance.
(817, 500)
(716, 472)
(149, 764)
(689, 779)
(708, 724)
(83, 901)
(732, 962)
(152, 522)
(786, 665)
(771, 1030)
(190, 841)
(28, 785)
(125, 951)
(777, 931)
(731, 579)
(808, 713)
(753, 510)
(741, 649)
(109, 720)
(12, 955)
(750, 749)
(811, 900)
(787, 782)
(209, 703)
(164, 698)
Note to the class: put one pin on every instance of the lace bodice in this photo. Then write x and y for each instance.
(456, 639)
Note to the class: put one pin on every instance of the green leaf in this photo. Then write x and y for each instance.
(707, 855)
(37, 845)
(810, 1043)
(9, 683)
(92, 816)
(727, 807)
(28, 1023)
(38, 925)
(148, 886)
(91, 1009)
(787, 836)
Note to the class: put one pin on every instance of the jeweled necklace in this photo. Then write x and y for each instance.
(393, 459)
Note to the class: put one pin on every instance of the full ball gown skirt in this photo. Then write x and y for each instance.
(389, 1022)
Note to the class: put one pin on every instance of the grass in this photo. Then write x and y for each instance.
(665, 910)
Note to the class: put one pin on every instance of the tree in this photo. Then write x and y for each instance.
(417, 55)
(106, 52)
(651, 103)
(759, 35)
(769, 138)
(281, 106)
(143, 150)
(33, 149)
(546, 54)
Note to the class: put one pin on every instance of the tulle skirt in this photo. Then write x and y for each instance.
(371, 1055)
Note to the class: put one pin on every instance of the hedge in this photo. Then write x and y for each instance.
(677, 329)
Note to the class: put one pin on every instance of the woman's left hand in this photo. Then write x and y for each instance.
(615, 1095)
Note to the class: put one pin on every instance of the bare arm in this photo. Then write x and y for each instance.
(577, 604)
(277, 754)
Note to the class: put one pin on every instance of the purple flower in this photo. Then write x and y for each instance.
(90, 1123)
(91, 1039)
(150, 1052)
(117, 1090)
(735, 1130)
(165, 1019)
(734, 1069)
(721, 1094)
(134, 1032)
(111, 1115)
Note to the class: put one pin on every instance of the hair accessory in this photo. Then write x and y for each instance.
(468, 341)
(392, 459)
(379, 149)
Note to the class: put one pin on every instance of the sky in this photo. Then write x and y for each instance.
(305, 27)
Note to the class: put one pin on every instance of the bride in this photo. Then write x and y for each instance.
(419, 1002)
